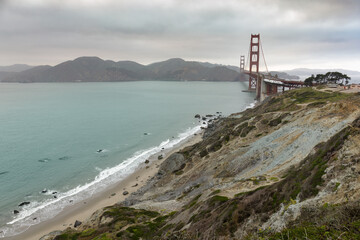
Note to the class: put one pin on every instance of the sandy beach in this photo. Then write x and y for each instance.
(110, 196)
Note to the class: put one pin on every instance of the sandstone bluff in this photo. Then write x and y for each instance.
(286, 169)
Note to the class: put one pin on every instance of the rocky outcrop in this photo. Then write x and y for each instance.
(24, 204)
(77, 223)
(172, 164)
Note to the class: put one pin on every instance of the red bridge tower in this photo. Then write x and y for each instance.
(242, 63)
(254, 61)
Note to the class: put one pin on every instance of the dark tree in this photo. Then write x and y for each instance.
(329, 77)
(309, 81)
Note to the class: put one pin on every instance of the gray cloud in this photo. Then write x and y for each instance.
(300, 33)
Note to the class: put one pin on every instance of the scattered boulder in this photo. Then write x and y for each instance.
(125, 193)
(99, 151)
(55, 196)
(173, 163)
(197, 116)
(187, 189)
(135, 185)
(44, 191)
(16, 212)
(209, 115)
(54, 192)
(23, 204)
(147, 161)
(204, 118)
(160, 157)
(77, 223)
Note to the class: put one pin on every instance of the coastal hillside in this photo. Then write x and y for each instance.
(94, 69)
(286, 169)
(15, 68)
(7, 71)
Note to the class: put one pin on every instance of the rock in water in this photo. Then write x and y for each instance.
(99, 151)
(23, 204)
(147, 161)
(16, 212)
(44, 191)
(160, 157)
(173, 163)
(197, 116)
(77, 223)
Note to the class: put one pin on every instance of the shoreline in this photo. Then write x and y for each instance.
(111, 195)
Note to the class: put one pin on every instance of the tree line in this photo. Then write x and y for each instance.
(329, 77)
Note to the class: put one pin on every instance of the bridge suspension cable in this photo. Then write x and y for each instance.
(247, 65)
(262, 53)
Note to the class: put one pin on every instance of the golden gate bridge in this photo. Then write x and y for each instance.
(263, 83)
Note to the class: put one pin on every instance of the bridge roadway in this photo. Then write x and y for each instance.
(268, 85)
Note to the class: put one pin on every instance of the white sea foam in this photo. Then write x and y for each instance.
(251, 105)
(37, 212)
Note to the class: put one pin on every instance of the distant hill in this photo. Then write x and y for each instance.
(207, 64)
(284, 75)
(94, 69)
(4, 75)
(179, 69)
(15, 68)
(8, 71)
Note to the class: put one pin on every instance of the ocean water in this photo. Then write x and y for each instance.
(50, 134)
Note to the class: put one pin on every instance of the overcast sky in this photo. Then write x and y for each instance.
(294, 33)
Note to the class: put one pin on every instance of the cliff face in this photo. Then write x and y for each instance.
(287, 168)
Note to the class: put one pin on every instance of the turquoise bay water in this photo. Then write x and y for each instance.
(50, 134)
